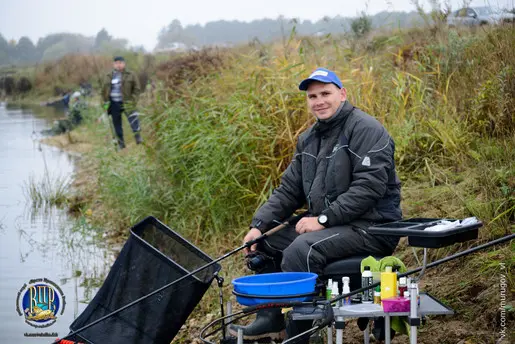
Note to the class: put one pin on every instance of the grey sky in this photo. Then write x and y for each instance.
(140, 20)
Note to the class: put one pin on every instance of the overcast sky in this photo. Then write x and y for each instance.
(140, 20)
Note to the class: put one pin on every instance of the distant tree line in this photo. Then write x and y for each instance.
(55, 46)
(233, 32)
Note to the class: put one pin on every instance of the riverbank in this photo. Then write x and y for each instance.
(217, 141)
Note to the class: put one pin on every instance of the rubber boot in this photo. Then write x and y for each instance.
(269, 325)
(379, 329)
(296, 327)
(138, 138)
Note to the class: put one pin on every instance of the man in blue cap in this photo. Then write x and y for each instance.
(343, 170)
(119, 93)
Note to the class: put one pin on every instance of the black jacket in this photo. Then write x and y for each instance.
(344, 168)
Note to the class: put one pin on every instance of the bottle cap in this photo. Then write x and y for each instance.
(402, 281)
(345, 279)
(366, 268)
(388, 269)
(378, 289)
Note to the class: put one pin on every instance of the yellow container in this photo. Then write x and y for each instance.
(388, 283)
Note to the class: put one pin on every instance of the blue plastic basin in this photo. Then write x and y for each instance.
(275, 284)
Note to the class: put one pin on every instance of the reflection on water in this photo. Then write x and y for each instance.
(40, 242)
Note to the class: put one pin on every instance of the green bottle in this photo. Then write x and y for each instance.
(377, 295)
(328, 290)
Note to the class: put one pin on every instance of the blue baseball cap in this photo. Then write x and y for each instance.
(322, 75)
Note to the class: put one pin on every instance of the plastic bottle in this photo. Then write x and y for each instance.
(328, 291)
(367, 280)
(388, 283)
(377, 295)
(346, 290)
(403, 286)
(334, 293)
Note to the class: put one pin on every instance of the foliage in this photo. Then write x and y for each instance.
(220, 134)
(55, 46)
(102, 37)
(70, 71)
(185, 68)
(361, 26)
(224, 32)
(46, 191)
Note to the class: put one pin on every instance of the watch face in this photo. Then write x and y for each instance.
(322, 219)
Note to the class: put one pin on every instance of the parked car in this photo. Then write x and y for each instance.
(476, 16)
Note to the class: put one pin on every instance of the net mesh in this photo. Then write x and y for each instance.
(152, 257)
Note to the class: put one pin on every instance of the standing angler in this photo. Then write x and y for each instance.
(119, 92)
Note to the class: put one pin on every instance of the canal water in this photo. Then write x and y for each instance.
(40, 242)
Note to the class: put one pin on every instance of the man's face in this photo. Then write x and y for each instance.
(119, 65)
(324, 99)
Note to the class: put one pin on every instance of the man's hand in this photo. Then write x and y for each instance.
(308, 224)
(251, 235)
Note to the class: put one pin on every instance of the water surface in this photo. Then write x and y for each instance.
(40, 242)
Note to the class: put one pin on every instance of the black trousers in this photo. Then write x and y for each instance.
(115, 110)
(311, 252)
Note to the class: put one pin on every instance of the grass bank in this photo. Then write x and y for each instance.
(221, 131)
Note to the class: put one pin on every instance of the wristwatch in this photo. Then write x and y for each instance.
(322, 219)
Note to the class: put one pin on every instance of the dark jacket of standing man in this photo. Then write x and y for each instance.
(119, 93)
(343, 169)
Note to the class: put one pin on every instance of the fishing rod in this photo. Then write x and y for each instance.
(318, 326)
(291, 221)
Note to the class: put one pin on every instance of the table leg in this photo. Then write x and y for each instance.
(366, 334)
(339, 336)
(329, 335)
(229, 312)
(413, 318)
(387, 339)
(413, 335)
(339, 330)
(240, 336)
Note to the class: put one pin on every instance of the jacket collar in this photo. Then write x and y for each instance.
(125, 71)
(341, 114)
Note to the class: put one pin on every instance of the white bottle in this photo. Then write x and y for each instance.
(334, 292)
(346, 290)
(366, 280)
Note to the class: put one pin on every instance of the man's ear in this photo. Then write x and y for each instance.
(343, 94)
